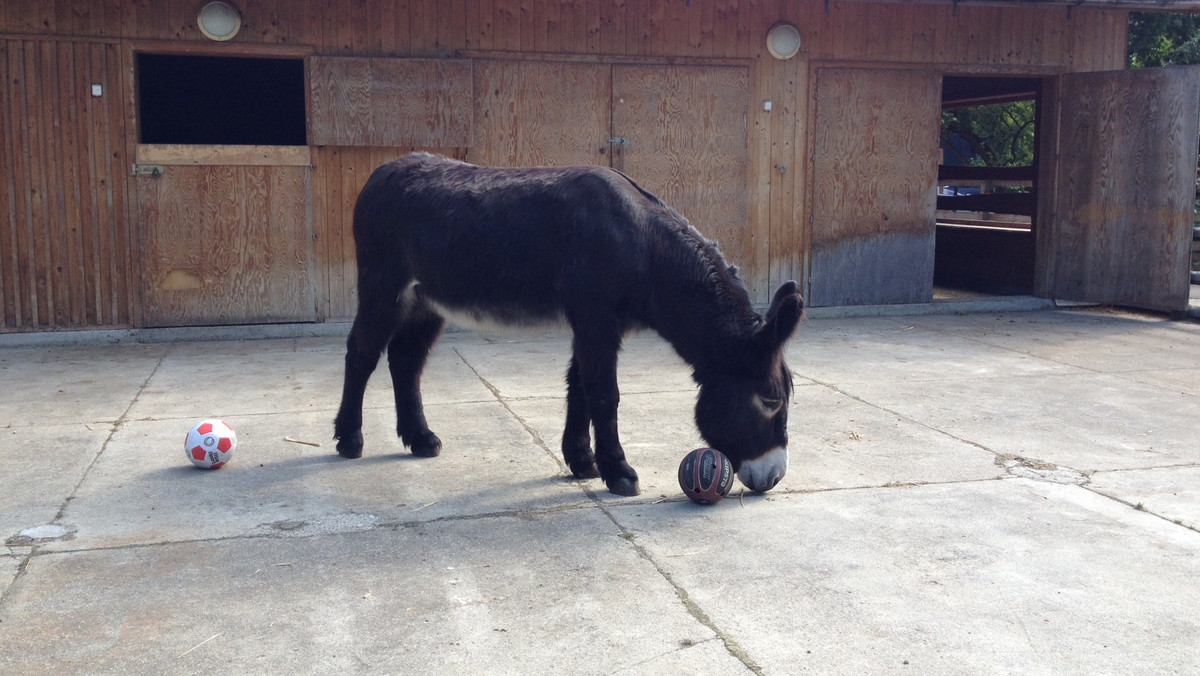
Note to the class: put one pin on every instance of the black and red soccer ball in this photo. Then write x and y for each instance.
(705, 475)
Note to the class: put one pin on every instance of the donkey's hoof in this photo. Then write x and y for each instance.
(585, 470)
(428, 446)
(623, 486)
(351, 445)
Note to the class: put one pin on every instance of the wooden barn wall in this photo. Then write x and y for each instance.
(66, 237)
(67, 232)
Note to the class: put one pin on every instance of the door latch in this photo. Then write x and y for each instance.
(147, 170)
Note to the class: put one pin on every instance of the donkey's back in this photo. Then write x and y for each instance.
(503, 245)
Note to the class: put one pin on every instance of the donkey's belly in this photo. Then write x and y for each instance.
(478, 318)
(489, 311)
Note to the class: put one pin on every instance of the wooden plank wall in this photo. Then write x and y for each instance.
(965, 39)
(65, 234)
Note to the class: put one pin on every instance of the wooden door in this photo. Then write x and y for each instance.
(226, 244)
(684, 138)
(1118, 220)
(535, 113)
(874, 186)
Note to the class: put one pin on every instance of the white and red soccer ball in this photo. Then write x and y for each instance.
(210, 444)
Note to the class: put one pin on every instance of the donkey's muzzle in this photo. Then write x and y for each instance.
(762, 473)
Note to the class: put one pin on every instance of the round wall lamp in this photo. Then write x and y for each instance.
(783, 40)
(219, 21)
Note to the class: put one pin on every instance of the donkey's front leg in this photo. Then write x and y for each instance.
(577, 434)
(597, 360)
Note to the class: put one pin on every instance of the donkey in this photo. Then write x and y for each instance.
(437, 238)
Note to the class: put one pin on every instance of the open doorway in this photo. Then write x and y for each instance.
(987, 187)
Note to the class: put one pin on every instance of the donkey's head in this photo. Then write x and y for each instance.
(743, 411)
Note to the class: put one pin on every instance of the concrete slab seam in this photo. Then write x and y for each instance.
(259, 533)
(1038, 467)
(901, 416)
(533, 433)
(692, 608)
(1141, 506)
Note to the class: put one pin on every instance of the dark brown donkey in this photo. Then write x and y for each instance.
(440, 238)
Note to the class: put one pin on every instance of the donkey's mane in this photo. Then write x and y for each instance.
(706, 269)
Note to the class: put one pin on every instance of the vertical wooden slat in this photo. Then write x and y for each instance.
(9, 279)
(90, 223)
(38, 111)
(592, 16)
(126, 299)
(72, 216)
(612, 26)
(351, 183)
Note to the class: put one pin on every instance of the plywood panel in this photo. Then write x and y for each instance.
(1121, 217)
(874, 178)
(226, 244)
(389, 102)
(535, 113)
(687, 136)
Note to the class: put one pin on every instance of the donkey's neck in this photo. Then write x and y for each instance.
(704, 312)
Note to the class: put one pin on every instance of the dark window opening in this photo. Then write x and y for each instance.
(217, 100)
(987, 185)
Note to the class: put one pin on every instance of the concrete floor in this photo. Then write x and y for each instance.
(969, 494)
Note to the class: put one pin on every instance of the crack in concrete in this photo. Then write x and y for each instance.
(24, 562)
(689, 604)
(529, 429)
(692, 608)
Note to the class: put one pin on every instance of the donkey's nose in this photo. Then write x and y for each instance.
(761, 474)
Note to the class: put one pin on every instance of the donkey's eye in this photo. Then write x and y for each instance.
(768, 407)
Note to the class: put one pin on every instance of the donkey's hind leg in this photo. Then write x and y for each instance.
(368, 336)
(415, 335)
(577, 437)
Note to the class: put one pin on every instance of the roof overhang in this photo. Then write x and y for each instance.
(1137, 5)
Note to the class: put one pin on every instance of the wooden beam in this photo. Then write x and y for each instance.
(273, 156)
(1138, 5)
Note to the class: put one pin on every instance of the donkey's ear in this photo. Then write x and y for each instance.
(782, 317)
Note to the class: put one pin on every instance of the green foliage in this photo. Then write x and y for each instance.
(1163, 39)
(1000, 135)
